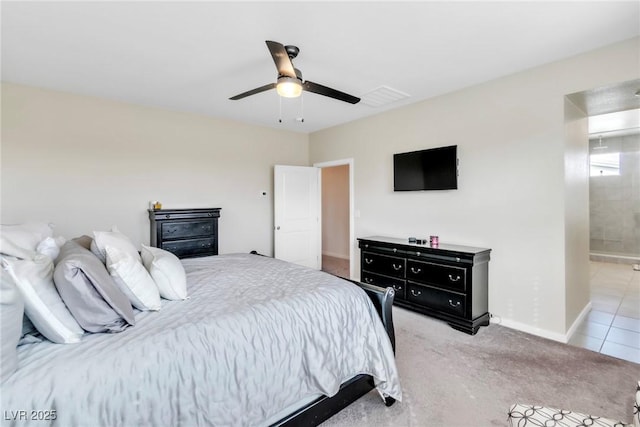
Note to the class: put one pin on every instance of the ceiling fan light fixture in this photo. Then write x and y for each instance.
(289, 87)
(289, 83)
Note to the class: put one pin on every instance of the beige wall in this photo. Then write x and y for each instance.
(86, 164)
(335, 211)
(577, 272)
(511, 198)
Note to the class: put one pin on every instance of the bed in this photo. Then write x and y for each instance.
(258, 342)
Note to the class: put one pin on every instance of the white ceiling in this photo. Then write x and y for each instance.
(193, 56)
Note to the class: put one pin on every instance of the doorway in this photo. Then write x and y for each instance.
(613, 114)
(337, 217)
(614, 155)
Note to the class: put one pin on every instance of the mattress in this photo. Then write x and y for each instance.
(255, 336)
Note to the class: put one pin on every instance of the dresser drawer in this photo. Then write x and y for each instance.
(398, 285)
(437, 274)
(190, 247)
(383, 264)
(437, 299)
(182, 229)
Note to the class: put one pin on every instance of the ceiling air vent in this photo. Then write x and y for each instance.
(382, 96)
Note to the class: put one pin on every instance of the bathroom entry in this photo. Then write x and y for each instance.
(614, 193)
(336, 218)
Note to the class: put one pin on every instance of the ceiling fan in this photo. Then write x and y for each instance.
(289, 83)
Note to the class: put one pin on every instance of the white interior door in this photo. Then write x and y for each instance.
(297, 206)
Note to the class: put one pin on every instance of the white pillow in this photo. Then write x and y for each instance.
(21, 240)
(115, 239)
(42, 303)
(8, 247)
(11, 315)
(132, 279)
(167, 271)
(50, 247)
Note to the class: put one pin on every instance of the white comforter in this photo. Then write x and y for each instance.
(256, 336)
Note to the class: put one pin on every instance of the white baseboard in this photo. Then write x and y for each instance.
(576, 323)
(335, 255)
(544, 333)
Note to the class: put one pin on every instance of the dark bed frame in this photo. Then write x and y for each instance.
(324, 407)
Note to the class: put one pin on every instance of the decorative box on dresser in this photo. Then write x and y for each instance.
(185, 232)
(449, 282)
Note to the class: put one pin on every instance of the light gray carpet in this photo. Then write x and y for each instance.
(450, 378)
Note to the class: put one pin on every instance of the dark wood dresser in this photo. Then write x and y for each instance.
(449, 282)
(185, 232)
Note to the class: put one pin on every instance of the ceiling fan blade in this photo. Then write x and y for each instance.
(331, 93)
(253, 91)
(281, 59)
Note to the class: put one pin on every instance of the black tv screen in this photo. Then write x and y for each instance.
(432, 169)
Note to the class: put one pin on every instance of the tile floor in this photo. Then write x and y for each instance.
(613, 325)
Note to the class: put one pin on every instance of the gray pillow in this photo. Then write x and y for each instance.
(89, 291)
(11, 312)
(84, 241)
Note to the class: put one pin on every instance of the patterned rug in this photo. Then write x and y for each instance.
(450, 378)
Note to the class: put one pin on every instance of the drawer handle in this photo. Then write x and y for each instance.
(167, 216)
(171, 230)
(454, 279)
(368, 280)
(397, 267)
(457, 304)
(415, 270)
(368, 260)
(397, 287)
(417, 293)
(209, 214)
(206, 245)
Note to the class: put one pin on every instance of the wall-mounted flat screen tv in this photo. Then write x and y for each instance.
(432, 169)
